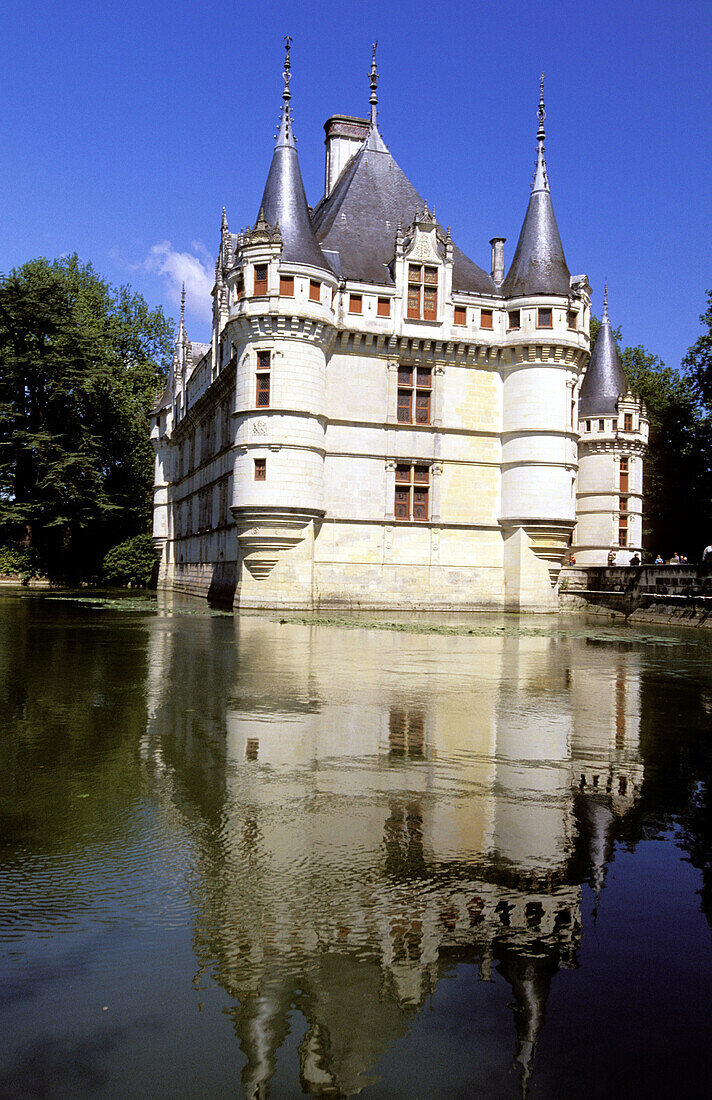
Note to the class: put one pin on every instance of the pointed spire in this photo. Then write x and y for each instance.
(285, 134)
(181, 327)
(284, 202)
(541, 181)
(224, 220)
(538, 265)
(604, 381)
(373, 80)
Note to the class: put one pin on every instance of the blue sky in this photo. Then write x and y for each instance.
(126, 126)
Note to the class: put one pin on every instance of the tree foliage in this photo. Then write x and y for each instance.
(80, 363)
(677, 473)
(131, 562)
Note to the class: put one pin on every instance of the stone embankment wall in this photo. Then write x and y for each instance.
(675, 594)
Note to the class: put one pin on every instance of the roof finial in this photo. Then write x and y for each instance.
(541, 113)
(605, 301)
(286, 94)
(182, 305)
(373, 80)
(541, 181)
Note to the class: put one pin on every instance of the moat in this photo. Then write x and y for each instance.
(248, 857)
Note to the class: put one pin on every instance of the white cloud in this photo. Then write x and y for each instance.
(194, 268)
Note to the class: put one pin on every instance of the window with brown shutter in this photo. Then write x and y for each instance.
(384, 307)
(414, 389)
(627, 422)
(411, 493)
(314, 290)
(239, 287)
(624, 471)
(460, 315)
(260, 469)
(422, 292)
(260, 286)
(622, 530)
(355, 303)
(286, 286)
(572, 319)
(486, 318)
(263, 378)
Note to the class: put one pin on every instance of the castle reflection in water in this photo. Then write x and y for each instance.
(370, 808)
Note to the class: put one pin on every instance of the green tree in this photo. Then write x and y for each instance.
(80, 363)
(698, 362)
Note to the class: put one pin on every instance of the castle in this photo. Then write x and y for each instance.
(380, 423)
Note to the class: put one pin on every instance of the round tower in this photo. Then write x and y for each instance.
(613, 436)
(546, 343)
(279, 331)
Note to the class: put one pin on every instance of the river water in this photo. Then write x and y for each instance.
(245, 857)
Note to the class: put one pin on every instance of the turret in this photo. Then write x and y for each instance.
(280, 328)
(546, 344)
(613, 431)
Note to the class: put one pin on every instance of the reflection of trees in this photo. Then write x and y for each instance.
(73, 712)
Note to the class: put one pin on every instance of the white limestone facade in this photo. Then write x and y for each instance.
(377, 422)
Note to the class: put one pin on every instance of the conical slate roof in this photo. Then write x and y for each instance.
(538, 265)
(284, 200)
(604, 381)
(356, 223)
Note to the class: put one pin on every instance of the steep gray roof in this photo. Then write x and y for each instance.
(356, 223)
(604, 381)
(284, 201)
(538, 265)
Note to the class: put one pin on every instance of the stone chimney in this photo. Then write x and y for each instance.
(498, 258)
(344, 137)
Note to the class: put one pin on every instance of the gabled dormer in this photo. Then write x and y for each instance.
(422, 268)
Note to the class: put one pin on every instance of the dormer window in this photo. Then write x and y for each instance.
(260, 286)
(422, 292)
(544, 318)
(514, 320)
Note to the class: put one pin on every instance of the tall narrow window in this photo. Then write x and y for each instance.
(355, 303)
(572, 319)
(543, 318)
(627, 422)
(384, 307)
(240, 287)
(286, 286)
(460, 317)
(412, 485)
(314, 290)
(486, 318)
(624, 471)
(623, 530)
(263, 379)
(260, 286)
(414, 389)
(601, 425)
(514, 319)
(422, 292)
(260, 469)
